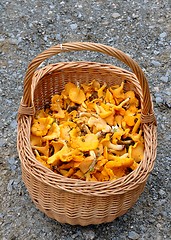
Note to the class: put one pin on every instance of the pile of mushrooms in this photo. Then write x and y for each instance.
(89, 132)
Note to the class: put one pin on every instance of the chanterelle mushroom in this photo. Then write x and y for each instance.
(85, 143)
(137, 151)
(41, 126)
(77, 95)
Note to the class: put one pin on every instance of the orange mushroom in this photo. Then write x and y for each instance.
(43, 149)
(58, 111)
(60, 155)
(68, 86)
(101, 90)
(77, 95)
(133, 100)
(42, 159)
(54, 132)
(35, 140)
(41, 126)
(136, 151)
(85, 143)
(118, 92)
(119, 162)
(98, 124)
(109, 97)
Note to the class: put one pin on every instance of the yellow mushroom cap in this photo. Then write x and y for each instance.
(35, 140)
(100, 91)
(119, 162)
(133, 100)
(54, 132)
(118, 92)
(85, 143)
(136, 151)
(67, 88)
(77, 95)
(43, 149)
(60, 155)
(41, 126)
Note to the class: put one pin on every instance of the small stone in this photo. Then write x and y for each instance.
(13, 124)
(161, 41)
(58, 36)
(2, 142)
(115, 15)
(159, 100)
(140, 212)
(161, 192)
(163, 35)
(151, 220)
(133, 235)
(73, 26)
(45, 38)
(156, 52)
(156, 89)
(168, 73)
(156, 63)
(11, 160)
(10, 185)
(89, 235)
(134, 16)
(15, 41)
(164, 79)
(160, 203)
(52, 6)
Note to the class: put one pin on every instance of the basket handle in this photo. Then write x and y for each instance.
(26, 106)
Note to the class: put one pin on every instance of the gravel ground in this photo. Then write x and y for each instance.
(140, 28)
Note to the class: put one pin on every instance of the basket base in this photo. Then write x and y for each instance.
(79, 209)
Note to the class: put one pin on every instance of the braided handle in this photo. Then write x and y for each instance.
(147, 111)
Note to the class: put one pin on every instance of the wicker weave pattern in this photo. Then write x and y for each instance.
(69, 200)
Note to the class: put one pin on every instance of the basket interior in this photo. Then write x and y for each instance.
(53, 81)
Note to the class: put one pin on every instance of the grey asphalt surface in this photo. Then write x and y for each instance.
(141, 29)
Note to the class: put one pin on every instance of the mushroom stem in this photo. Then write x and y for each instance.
(115, 147)
(92, 153)
(124, 102)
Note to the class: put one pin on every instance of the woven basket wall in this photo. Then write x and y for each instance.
(69, 200)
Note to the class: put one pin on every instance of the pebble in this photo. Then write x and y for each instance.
(2, 142)
(159, 100)
(163, 35)
(133, 235)
(115, 15)
(13, 124)
(161, 192)
(11, 160)
(160, 202)
(45, 38)
(156, 52)
(168, 73)
(89, 235)
(73, 26)
(58, 36)
(156, 63)
(164, 79)
(10, 185)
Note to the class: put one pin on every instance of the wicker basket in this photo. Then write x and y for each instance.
(69, 200)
